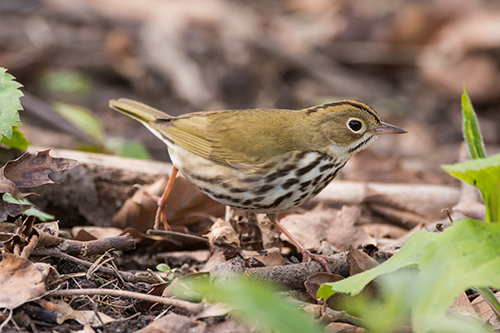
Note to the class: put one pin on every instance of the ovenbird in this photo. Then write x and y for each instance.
(261, 160)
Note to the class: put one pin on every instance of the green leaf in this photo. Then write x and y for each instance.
(83, 119)
(392, 308)
(17, 141)
(464, 255)
(408, 255)
(9, 103)
(485, 174)
(135, 150)
(66, 82)
(163, 268)
(471, 129)
(42, 216)
(259, 305)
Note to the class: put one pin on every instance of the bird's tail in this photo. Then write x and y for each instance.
(137, 110)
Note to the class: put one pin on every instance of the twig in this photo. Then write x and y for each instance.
(192, 307)
(126, 276)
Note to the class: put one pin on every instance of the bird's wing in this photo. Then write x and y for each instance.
(240, 139)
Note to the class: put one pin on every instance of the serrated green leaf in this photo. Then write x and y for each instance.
(408, 255)
(17, 141)
(464, 255)
(483, 173)
(9, 103)
(83, 119)
(471, 128)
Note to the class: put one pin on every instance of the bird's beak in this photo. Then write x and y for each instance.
(385, 128)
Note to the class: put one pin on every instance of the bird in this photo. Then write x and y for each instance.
(261, 160)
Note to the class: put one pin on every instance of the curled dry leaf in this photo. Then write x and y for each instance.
(268, 257)
(175, 323)
(314, 282)
(84, 317)
(22, 281)
(359, 261)
(28, 171)
(186, 205)
(33, 170)
(483, 309)
(224, 244)
(22, 236)
(8, 186)
(8, 209)
(222, 232)
(337, 227)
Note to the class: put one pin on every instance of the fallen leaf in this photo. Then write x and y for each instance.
(22, 281)
(84, 317)
(33, 170)
(222, 232)
(359, 261)
(9, 209)
(27, 171)
(175, 323)
(186, 205)
(343, 328)
(462, 306)
(337, 227)
(88, 233)
(269, 257)
(483, 309)
(314, 281)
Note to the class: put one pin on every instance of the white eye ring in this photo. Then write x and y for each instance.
(355, 125)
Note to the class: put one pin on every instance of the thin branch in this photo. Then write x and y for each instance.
(192, 307)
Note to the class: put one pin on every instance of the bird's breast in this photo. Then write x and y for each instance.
(292, 181)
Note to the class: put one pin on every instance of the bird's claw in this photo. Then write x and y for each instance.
(307, 256)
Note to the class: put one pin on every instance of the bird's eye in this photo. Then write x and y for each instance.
(354, 125)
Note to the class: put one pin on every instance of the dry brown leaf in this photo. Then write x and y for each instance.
(8, 186)
(22, 281)
(343, 328)
(337, 227)
(314, 282)
(84, 317)
(33, 170)
(472, 209)
(483, 309)
(172, 323)
(269, 257)
(186, 205)
(222, 232)
(8, 209)
(463, 306)
(88, 233)
(382, 230)
(28, 171)
(224, 244)
(359, 261)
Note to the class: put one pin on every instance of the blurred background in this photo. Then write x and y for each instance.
(407, 59)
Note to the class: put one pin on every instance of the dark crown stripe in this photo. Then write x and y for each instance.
(350, 102)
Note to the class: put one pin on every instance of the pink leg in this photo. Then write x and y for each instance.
(306, 255)
(162, 201)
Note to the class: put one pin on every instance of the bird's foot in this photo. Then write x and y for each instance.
(160, 211)
(307, 256)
